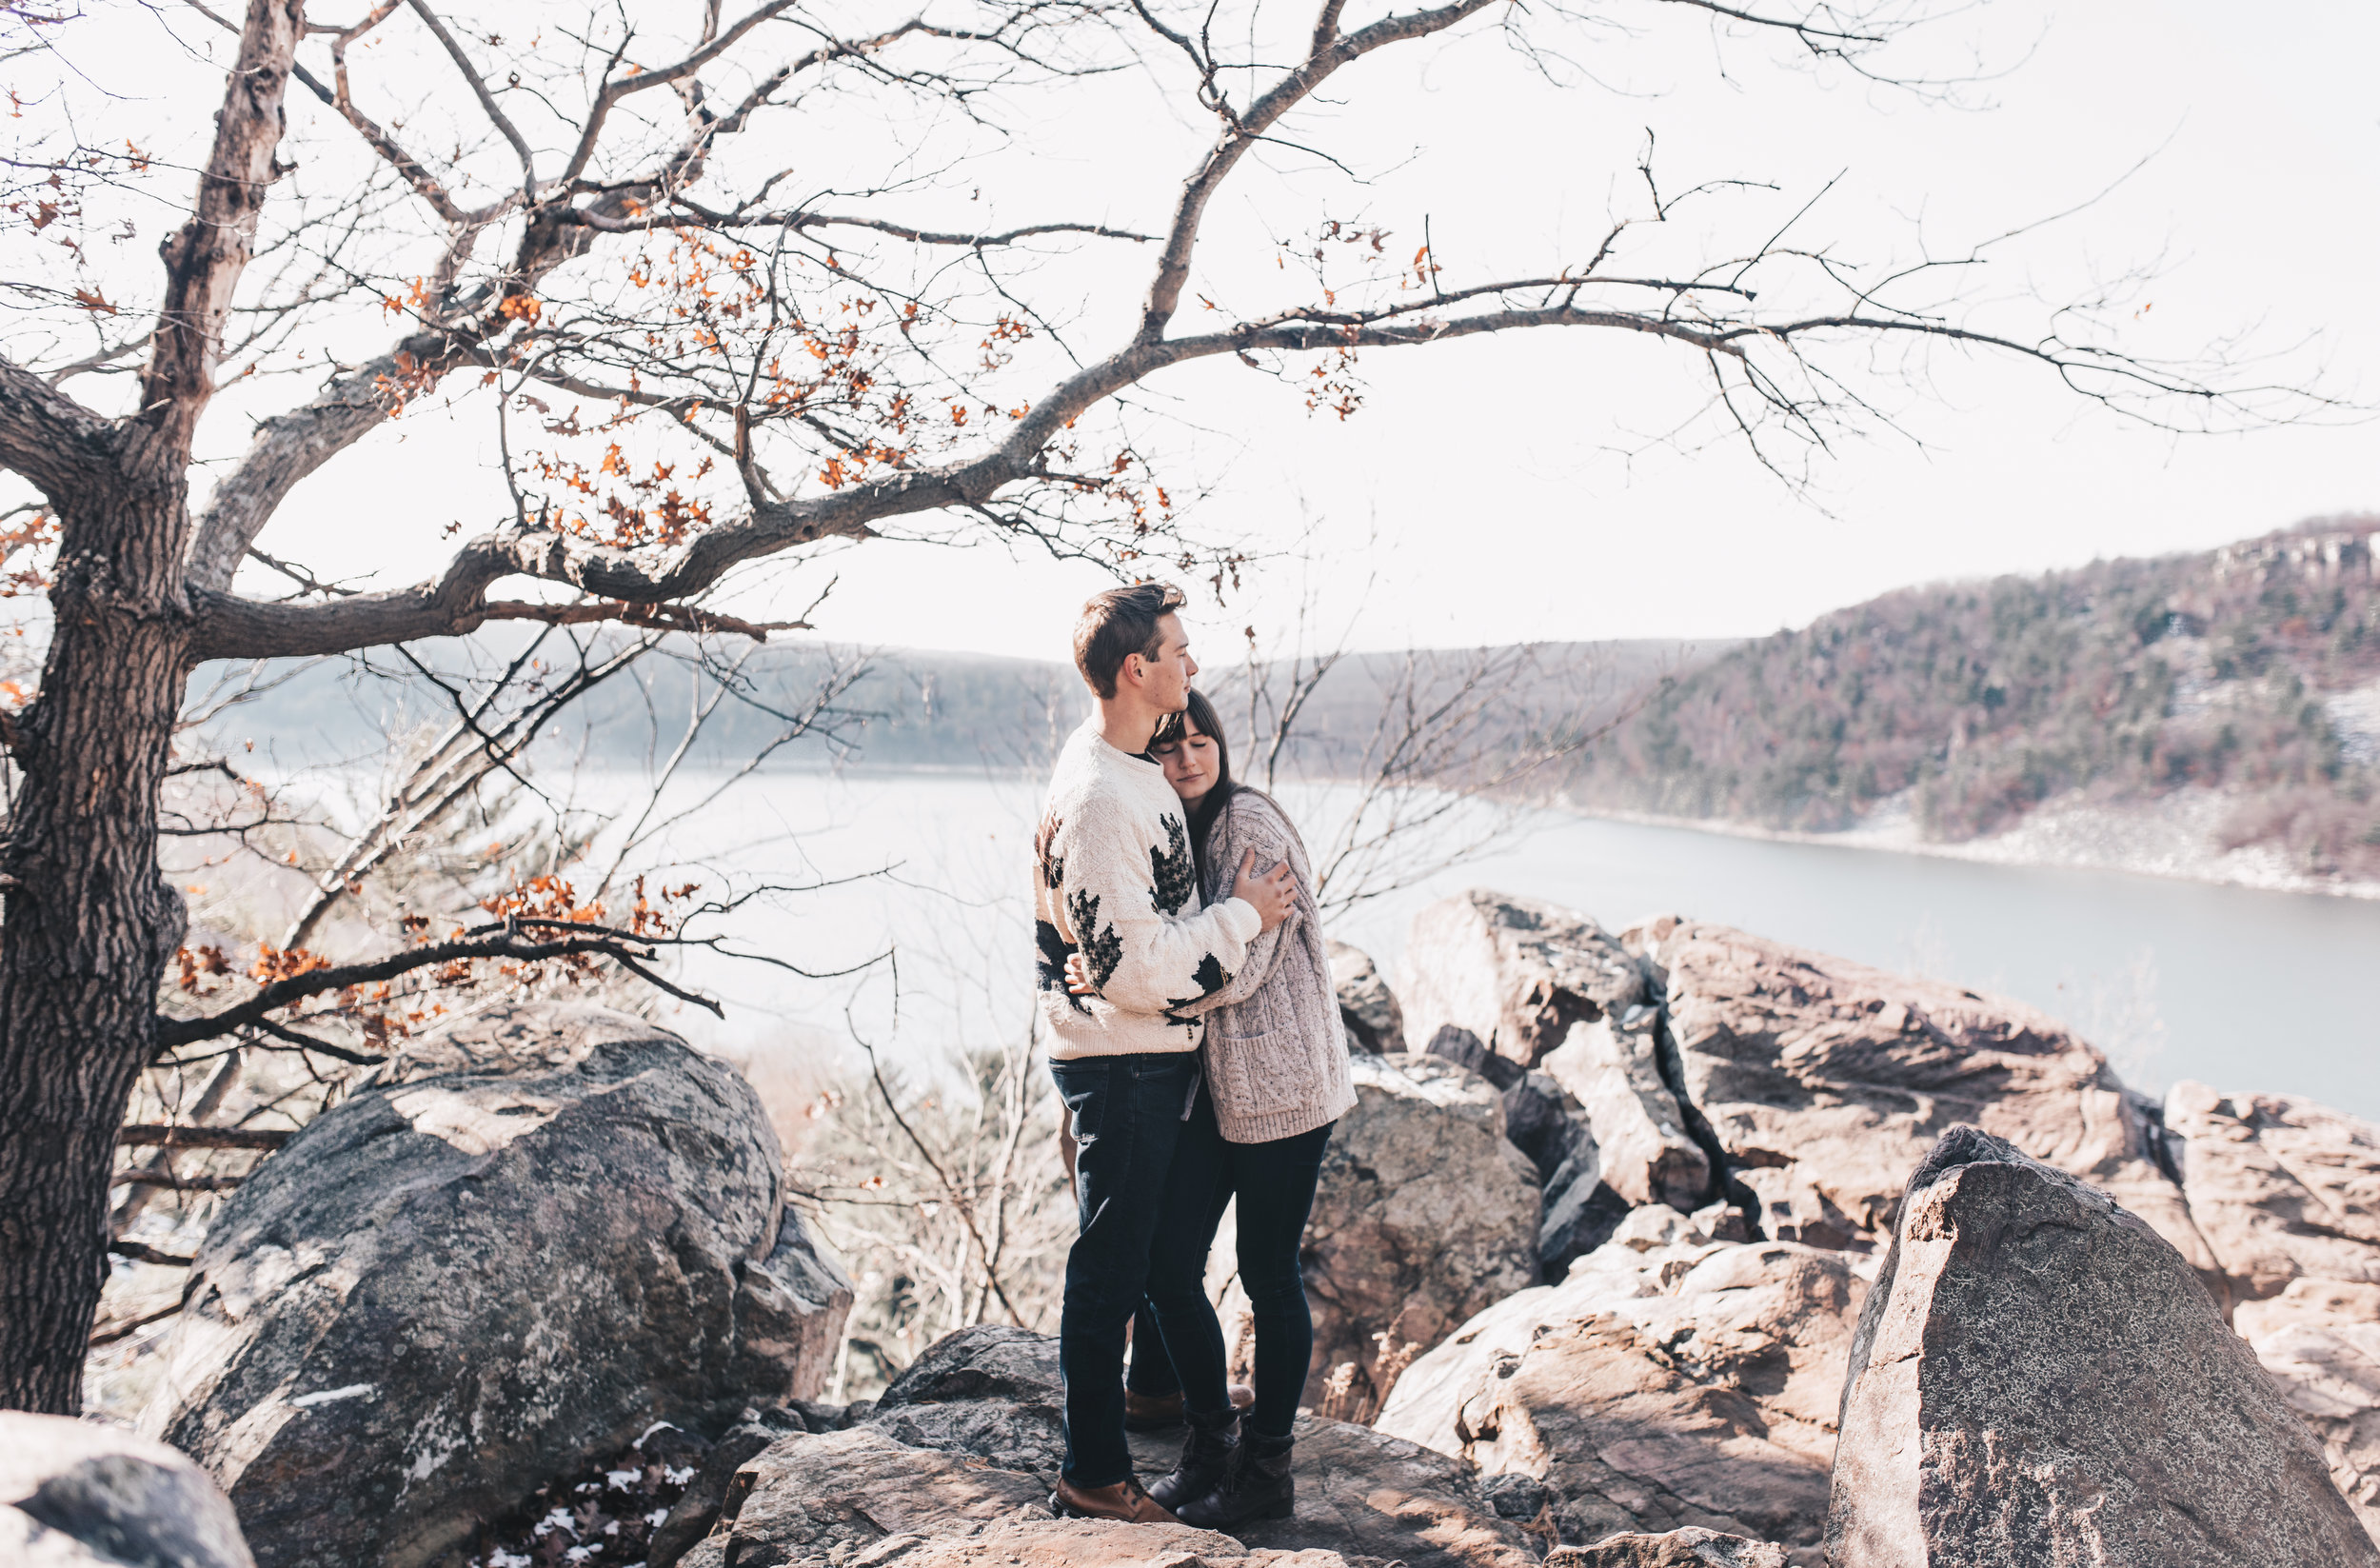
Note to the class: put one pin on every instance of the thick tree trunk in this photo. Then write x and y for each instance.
(89, 923)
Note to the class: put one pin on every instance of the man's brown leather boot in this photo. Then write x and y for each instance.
(1128, 1501)
(1152, 1412)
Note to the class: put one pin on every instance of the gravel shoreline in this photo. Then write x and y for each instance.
(2171, 836)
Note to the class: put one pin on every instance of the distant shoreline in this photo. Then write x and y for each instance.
(2172, 837)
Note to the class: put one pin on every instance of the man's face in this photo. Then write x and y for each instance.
(1165, 680)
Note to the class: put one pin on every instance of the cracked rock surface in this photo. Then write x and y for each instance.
(1668, 1381)
(2038, 1377)
(956, 1464)
(1753, 1091)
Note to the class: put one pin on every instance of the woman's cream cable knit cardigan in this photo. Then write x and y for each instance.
(1275, 1050)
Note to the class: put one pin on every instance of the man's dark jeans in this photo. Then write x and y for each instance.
(1275, 1185)
(1125, 1113)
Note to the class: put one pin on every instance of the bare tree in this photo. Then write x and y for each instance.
(947, 1194)
(464, 820)
(792, 363)
(1425, 759)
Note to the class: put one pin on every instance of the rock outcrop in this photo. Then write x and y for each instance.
(1822, 1083)
(960, 1456)
(1424, 1215)
(2283, 1189)
(2288, 1195)
(1716, 1071)
(2039, 1376)
(1670, 1381)
(1514, 972)
(1374, 1023)
(536, 1235)
(79, 1495)
(1645, 1151)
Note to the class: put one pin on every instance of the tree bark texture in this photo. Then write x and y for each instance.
(88, 922)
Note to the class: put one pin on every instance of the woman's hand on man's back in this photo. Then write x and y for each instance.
(1269, 894)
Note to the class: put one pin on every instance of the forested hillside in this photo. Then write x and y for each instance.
(902, 708)
(2254, 668)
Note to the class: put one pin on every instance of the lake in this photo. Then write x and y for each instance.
(2243, 990)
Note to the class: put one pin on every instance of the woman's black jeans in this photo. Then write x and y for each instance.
(1125, 1114)
(1275, 1184)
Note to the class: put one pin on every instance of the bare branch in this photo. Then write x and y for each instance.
(205, 260)
(408, 167)
(202, 1137)
(487, 100)
(49, 437)
(1247, 129)
(507, 945)
(620, 87)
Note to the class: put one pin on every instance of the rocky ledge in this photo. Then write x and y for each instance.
(1665, 1247)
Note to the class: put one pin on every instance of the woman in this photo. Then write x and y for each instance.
(1276, 1082)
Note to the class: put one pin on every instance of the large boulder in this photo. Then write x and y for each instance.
(2288, 1195)
(1425, 1213)
(79, 1495)
(1514, 972)
(1822, 1083)
(532, 1237)
(1366, 1005)
(2038, 1377)
(1670, 1381)
(962, 1450)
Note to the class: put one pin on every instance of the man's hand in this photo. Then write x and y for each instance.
(1270, 894)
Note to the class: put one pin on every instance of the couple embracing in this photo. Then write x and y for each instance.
(1185, 994)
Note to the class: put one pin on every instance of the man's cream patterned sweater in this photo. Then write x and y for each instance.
(1114, 881)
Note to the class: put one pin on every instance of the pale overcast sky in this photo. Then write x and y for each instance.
(1486, 490)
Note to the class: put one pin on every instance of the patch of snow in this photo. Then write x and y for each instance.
(353, 1391)
(657, 1426)
(2355, 717)
(502, 1559)
(676, 1478)
(558, 1520)
(620, 1480)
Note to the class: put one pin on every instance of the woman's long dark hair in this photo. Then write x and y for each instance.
(1170, 730)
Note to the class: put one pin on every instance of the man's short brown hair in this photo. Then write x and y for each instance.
(1118, 624)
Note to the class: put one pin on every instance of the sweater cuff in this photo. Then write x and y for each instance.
(1241, 920)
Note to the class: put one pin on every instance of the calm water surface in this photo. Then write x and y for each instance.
(2238, 988)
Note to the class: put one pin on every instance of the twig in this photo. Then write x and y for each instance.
(124, 1331)
(958, 1200)
(202, 1137)
(173, 1182)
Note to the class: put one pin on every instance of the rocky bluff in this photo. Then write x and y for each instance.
(1668, 1246)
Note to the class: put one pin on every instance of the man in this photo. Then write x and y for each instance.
(1116, 882)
